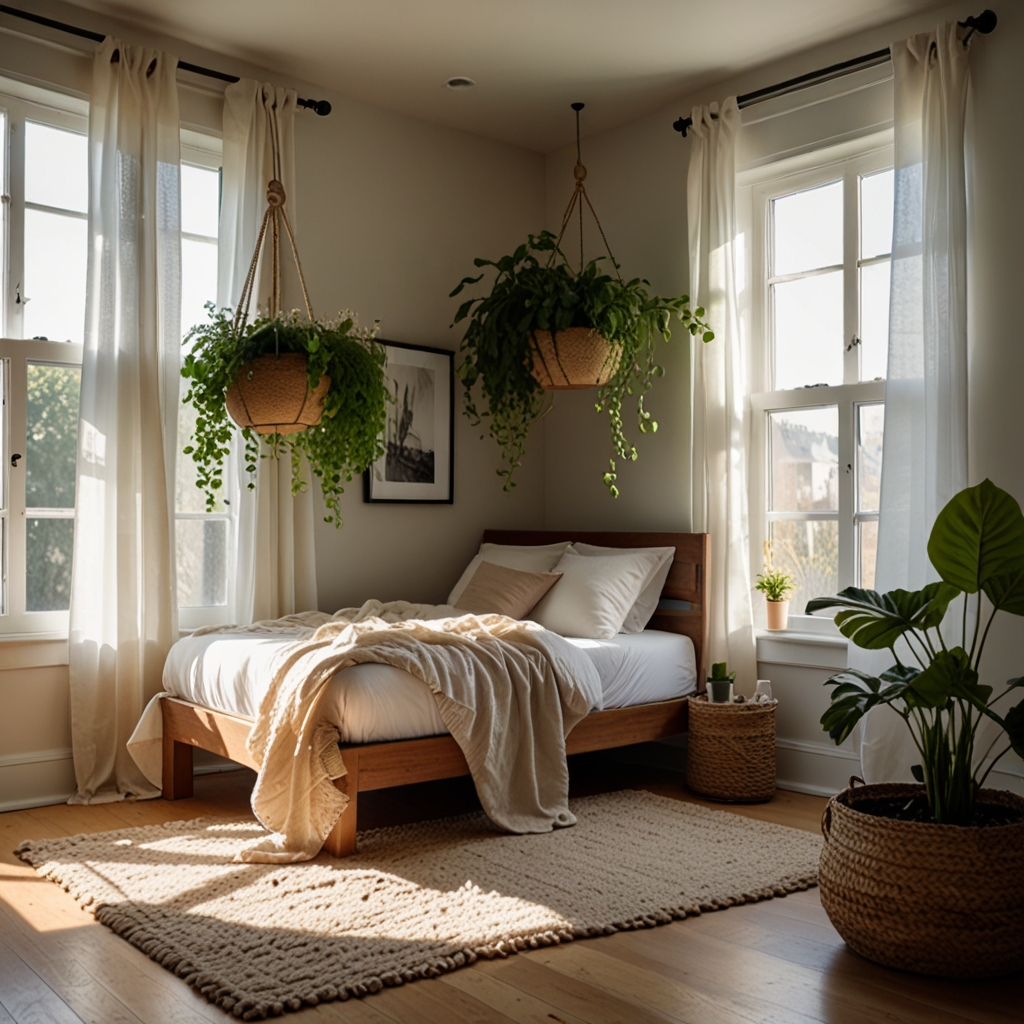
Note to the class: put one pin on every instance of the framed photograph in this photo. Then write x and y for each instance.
(420, 450)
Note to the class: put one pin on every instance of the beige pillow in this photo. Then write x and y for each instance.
(527, 557)
(505, 591)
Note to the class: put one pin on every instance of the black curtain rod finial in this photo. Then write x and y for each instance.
(322, 107)
(577, 106)
(681, 124)
(983, 23)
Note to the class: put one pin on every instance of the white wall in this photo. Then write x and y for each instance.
(391, 212)
(637, 179)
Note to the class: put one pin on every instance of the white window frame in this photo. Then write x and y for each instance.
(848, 163)
(201, 149)
(58, 111)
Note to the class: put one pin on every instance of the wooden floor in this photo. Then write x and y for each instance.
(776, 961)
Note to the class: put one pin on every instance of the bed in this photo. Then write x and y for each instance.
(630, 666)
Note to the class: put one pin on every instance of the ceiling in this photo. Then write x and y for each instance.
(530, 58)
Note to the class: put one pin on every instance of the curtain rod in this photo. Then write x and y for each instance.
(322, 107)
(983, 23)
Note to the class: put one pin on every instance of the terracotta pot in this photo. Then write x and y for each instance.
(778, 614)
(272, 395)
(573, 359)
(942, 900)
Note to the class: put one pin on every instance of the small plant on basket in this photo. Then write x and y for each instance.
(720, 683)
(347, 437)
(977, 547)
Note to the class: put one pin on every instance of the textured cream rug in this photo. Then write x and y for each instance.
(259, 939)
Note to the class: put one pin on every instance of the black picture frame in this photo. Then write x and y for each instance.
(377, 488)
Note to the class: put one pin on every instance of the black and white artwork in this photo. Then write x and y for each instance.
(417, 462)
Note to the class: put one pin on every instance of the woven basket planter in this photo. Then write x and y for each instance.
(941, 900)
(730, 751)
(573, 359)
(271, 395)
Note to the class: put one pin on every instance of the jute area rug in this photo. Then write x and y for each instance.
(417, 900)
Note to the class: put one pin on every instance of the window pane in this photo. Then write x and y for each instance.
(56, 167)
(54, 287)
(809, 552)
(202, 558)
(870, 424)
(808, 230)
(51, 435)
(876, 214)
(867, 542)
(874, 320)
(808, 331)
(48, 544)
(198, 281)
(805, 460)
(200, 200)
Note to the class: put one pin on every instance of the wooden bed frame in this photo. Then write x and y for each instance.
(401, 762)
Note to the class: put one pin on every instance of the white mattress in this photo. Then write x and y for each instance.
(373, 703)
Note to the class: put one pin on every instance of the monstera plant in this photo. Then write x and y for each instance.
(935, 685)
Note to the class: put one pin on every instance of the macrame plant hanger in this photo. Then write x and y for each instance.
(575, 358)
(271, 395)
(576, 200)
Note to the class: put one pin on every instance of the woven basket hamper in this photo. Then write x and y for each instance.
(730, 752)
(941, 900)
(272, 395)
(573, 359)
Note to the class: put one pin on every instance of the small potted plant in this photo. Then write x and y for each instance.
(720, 683)
(308, 387)
(930, 877)
(776, 586)
(543, 327)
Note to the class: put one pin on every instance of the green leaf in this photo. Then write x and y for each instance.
(856, 693)
(978, 536)
(1006, 592)
(875, 621)
(1014, 725)
(949, 675)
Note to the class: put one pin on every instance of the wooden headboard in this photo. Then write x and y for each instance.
(687, 579)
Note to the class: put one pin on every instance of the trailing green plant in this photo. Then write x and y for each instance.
(342, 445)
(530, 295)
(775, 584)
(977, 547)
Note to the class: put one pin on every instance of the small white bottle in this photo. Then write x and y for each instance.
(764, 689)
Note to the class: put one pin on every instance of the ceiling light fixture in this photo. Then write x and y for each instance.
(459, 82)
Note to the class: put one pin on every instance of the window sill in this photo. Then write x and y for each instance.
(34, 650)
(802, 650)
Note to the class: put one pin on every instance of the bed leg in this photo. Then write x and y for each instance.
(342, 840)
(177, 773)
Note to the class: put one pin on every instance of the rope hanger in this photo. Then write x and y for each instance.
(579, 173)
(274, 216)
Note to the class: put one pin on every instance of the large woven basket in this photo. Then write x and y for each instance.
(942, 900)
(573, 359)
(272, 395)
(730, 752)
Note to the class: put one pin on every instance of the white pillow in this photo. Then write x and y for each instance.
(647, 603)
(527, 557)
(594, 593)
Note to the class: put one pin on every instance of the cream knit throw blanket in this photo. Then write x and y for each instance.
(508, 691)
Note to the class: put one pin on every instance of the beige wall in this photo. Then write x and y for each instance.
(391, 212)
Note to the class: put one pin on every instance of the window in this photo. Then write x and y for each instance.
(822, 267)
(204, 539)
(43, 315)
(42, 312)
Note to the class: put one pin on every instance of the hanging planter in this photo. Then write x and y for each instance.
(545, 327)
(311, 388)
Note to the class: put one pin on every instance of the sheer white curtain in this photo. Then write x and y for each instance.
(925, 449)
(276, 566)
(123, 599)
(719, 401)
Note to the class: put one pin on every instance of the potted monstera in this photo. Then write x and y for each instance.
(545, 327)
(308, 387)
(930, 877)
